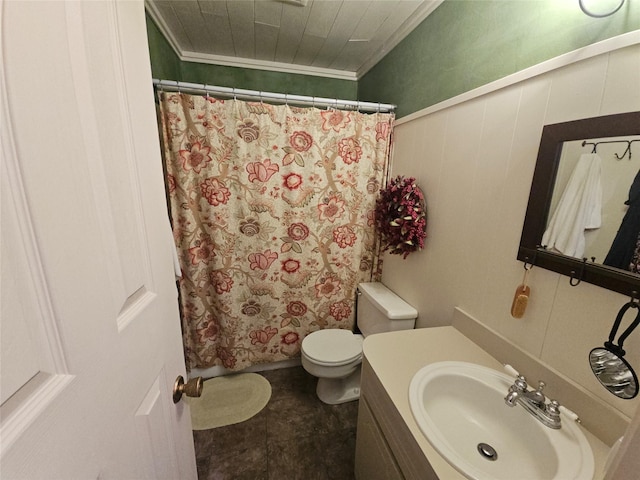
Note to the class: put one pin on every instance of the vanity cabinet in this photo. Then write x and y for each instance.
(374, 459)
(385, 447)
(389, 442)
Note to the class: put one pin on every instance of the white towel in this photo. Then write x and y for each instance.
(579, 209)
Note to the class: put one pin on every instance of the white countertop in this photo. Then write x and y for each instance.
(397, 356)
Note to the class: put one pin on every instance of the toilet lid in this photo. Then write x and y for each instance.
(333, 345)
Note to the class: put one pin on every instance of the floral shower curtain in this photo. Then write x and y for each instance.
(272, 211)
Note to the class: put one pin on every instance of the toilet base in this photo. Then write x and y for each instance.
(334, 391)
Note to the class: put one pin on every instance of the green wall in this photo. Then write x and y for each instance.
(166, 65)
(462, 45)
(269, 81)
(465, 44)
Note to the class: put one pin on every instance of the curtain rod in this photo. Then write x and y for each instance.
(243, 94)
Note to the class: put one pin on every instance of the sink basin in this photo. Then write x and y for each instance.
(460, 409)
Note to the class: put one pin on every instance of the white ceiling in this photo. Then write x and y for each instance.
(333, 38)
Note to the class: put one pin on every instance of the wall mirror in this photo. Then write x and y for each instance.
(615, 139)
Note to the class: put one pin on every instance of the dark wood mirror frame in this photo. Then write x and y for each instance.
(544, 177)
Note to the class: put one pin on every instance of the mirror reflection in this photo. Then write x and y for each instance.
(614, 373)
(595, 205)
(614, 172)
(608, 363)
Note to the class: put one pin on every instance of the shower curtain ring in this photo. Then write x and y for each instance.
(573, 281)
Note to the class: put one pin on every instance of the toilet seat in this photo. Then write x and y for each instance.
(332, 347)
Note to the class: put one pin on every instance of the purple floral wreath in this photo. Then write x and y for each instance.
(400, 217)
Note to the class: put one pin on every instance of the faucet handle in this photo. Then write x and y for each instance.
(520, 385)
(541, 385)
(553, 409)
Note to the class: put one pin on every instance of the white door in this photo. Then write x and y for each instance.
(90, 333)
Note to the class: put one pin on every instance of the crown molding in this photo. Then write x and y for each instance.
(266, 65)
(188, 56)
(162, 26)
(422, 12)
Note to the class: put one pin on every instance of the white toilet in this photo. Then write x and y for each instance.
(334, 355)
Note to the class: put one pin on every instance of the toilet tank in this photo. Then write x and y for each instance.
(381, 310)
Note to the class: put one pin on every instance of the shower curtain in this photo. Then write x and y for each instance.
(272, 212)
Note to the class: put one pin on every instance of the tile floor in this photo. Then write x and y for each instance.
(295, 437)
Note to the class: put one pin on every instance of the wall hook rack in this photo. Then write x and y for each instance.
(573, 281)
(626, 152)
(528, 265)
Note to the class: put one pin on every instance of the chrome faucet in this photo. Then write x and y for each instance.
(534, 402)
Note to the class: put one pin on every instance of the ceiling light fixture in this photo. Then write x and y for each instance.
(599, 15)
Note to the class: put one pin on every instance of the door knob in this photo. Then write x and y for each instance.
(193, 388)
